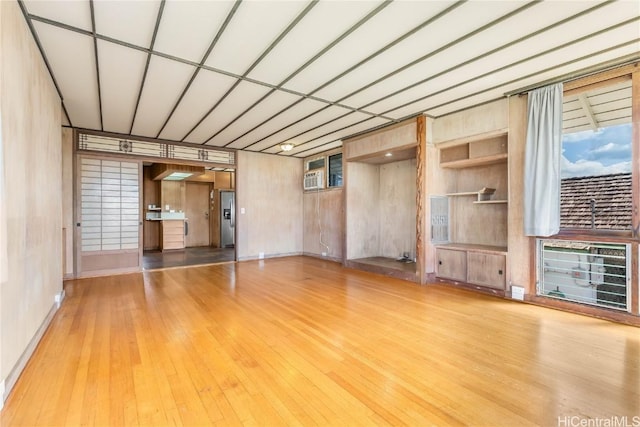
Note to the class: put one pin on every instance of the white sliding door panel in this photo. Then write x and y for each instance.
(109, 216)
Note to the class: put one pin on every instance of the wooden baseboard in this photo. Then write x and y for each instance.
(7, 384)
(266, 256)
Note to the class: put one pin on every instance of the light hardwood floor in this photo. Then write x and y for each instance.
(303, 341)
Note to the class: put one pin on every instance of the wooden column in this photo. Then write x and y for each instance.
(421, 220)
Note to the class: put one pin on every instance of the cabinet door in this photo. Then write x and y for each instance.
(452, 264)
(486, 269)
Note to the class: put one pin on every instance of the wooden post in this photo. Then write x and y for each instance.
(421, 221)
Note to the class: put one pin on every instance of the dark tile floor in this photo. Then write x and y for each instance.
(189, 256)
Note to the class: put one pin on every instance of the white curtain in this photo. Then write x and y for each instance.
(543, 154)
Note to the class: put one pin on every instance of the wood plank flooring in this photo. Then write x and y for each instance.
(303, 341)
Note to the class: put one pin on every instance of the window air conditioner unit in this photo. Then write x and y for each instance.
(313, 180)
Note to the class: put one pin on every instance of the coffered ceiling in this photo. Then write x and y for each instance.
(251, 75)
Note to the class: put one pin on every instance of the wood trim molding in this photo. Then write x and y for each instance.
(421, 162)
(601, 77)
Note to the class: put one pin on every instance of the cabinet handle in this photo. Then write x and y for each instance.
(439, 262)
(500, 272)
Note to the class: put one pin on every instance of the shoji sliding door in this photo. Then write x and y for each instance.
(108, 215)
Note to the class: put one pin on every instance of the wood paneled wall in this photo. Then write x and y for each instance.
(398, 209)
(323, 223)
(150, 196)
(30, 116)
(362, 210)
(68, 223)
(269, 188)
(474, 121)
(519, 262)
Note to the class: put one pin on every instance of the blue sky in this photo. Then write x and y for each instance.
(603, 152)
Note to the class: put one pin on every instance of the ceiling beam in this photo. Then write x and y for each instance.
(146, 67)
(95, 55)
(586, 107)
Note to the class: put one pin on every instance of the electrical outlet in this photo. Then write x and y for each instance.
(324, 254)
(260, 255)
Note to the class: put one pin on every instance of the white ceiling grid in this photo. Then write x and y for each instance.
(165, 80)
(121, 71)
(205, 89)
(310, 72)
(188, 27)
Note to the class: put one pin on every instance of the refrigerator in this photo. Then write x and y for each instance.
(227, 219)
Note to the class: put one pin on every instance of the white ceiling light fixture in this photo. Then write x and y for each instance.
(286, 146)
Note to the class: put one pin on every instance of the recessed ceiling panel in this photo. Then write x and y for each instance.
(121, 71)
(291, 115)
(457, 23)
(206, 89)
(309, 36)
(379, 31)
(74, 13)
(165, 82)
(71, 56)
(289, 131)
(187, 28)
(254, 26)
(129, 21)
(274, 102)
(238, 100)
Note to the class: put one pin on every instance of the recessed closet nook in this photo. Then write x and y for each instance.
(437, 199)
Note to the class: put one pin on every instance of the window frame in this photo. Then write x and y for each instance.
(592, 82)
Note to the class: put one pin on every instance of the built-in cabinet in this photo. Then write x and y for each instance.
(474, 264)
(172, 234)
(477, 190)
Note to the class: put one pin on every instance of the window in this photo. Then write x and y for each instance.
(315, 163)
(595, 190)
(586, 272)
(335, 170)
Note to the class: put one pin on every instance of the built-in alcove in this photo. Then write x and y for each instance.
(380, 202)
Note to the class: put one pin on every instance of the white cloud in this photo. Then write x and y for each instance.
(580, 136)
(591, 168)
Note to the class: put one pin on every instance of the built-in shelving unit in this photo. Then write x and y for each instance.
(475, 255)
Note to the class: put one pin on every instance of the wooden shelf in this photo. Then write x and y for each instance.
(478, 161)
(474, 248)
(485, 192)
(490, 202)
(467, 193)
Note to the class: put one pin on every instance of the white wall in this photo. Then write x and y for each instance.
(269, 189)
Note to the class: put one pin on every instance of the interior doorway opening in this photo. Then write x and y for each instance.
(185, 220)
